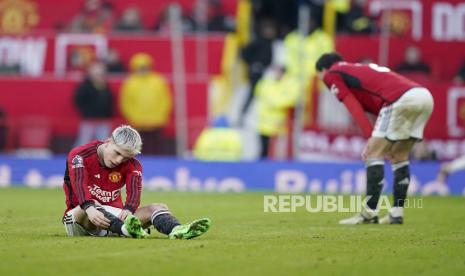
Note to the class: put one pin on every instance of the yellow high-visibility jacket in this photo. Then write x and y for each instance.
(146, 101)
(274, 98)
(303, 52)
(218, 144)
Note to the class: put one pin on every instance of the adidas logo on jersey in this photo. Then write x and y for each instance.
(97, 176)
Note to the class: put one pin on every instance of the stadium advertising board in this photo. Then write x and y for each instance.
(282, 177)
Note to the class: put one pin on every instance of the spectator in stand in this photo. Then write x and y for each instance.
(218, 142)
(412, 62)
(276, 93)
(356, 20)
(130, 21)
(218, 21)
(258, 55)
(114, 63)
(163, 23)
(95, 17)
(460, 76)
(146, 102)
(283, 12)
(310, 45)
(94, 100)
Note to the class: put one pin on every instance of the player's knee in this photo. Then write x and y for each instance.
(376, 148)
(396, 157)
(158, 206)
(373, 153)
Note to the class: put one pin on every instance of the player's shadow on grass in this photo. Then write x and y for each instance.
(63, 235)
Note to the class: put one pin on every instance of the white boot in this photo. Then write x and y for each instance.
(366, 216)
(395, 216)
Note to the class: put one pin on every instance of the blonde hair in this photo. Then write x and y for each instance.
(128, 138)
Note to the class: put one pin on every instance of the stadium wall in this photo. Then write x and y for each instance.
(282, 177)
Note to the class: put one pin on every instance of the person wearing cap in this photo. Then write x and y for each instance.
(146, 102)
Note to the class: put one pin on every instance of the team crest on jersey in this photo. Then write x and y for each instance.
(114, 177)
(77, 162)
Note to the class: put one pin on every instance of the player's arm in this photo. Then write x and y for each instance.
(357, 112)
(337, 87)
(79, 177)
(133, 187)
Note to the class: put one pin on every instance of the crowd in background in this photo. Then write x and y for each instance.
(99, 16)
(273, 58)
(272, 20)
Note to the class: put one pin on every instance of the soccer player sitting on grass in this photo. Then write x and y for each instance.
(403, 107)
(96, 173)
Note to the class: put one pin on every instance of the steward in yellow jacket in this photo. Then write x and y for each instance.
(302, 52)
(276, 93)
(219, 142)
(146, 101)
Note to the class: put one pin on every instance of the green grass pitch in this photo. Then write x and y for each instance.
(242, 241)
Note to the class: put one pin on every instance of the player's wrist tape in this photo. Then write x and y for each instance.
(86, 204)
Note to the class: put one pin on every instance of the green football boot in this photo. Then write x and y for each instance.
(134, 227)
(191, 230)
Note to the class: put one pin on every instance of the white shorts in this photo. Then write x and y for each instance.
(74, 229)
(406, 118)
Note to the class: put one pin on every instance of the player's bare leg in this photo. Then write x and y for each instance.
(145, 213)
(158, 215)
(131, 227)
(399, 157)
(80, 216)
(373, 155)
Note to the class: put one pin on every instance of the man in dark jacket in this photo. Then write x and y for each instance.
(94, 101)
(258, 56)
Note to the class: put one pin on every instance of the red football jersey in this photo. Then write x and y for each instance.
(85, 180)
(372, 85)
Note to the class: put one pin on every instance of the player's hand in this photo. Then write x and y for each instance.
(364, 153)
(97, 218)
(334, 90)
(122, 216)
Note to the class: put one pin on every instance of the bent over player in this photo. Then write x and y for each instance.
(403, 108)
(96, 173)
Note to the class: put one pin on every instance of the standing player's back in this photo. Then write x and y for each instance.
(374, 79)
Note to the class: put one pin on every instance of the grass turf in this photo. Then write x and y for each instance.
(242, 240)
